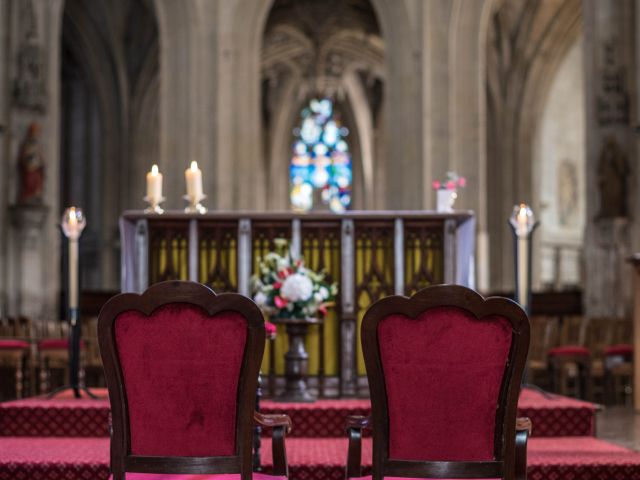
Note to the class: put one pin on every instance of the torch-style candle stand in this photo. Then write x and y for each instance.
(296, 360)
(73, 222)
(523, 224)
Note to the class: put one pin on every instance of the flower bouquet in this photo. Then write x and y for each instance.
(284, 287)
(446, 191)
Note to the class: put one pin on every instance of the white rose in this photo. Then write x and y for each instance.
(260, 298)
(318, 297)
(324, 292)
(297, 288)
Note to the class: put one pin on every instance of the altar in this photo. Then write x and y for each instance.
(371, 254)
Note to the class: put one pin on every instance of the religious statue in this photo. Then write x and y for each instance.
(613, 171)
(31, 168)
(29, 89)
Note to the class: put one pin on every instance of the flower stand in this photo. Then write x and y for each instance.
(296, 360)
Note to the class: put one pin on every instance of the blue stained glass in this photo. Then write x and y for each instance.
(320, 159)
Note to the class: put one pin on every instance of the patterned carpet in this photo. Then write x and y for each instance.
(66, 439)
(554, 416)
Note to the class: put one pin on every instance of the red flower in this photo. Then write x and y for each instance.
(451, 185)
(279, 301)
(462, 182)
(282, 274)
(323, 310)
(436, 185)
(277, 285)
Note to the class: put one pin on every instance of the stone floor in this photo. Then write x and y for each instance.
(620, 425)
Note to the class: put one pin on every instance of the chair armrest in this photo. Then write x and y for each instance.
(281, 425)
(273, 420)
(354, 426)
(523, 430)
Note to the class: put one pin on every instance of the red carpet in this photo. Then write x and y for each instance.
(583, 458)
(68, 417)
(44, 439)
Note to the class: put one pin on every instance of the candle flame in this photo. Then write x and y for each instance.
(154, 170)
(73, 217)
(523, 211)
(194, 166)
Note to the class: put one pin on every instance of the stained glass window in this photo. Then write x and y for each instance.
(321, 163)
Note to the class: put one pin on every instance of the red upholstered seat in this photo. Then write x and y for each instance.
(622, 349)
(444, 370)
(444, 351)
(56, 344)
(368, 477)
(13, 345)
(227, 476)
(570, 350)
(181, 365)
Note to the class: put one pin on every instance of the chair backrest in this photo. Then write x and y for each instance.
(181, 365)
(573, 330)
(599, 335)
(544, 330)
(444, 369)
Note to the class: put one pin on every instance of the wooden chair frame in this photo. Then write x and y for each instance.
(201, 296)
(509, 448)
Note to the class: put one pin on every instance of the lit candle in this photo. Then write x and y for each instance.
(523, 220)
(73, 222)
(193, 177)
(154, 184)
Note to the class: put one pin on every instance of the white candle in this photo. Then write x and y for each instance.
(193, 177)
(523, 270)
(523, 220)
(154, 184)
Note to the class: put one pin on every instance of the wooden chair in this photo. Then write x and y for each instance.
(181, 365)
(597, 338)
(544, 332)
(15, 349)
(53, 352)
(618, 361)
(570, 361)
(444, 370)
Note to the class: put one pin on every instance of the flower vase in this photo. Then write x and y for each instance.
(445, 199)
(296, 360)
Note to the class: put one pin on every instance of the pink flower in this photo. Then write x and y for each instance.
(451, 185)
(323, 310)
(462, 182)
(436, 185)
(279, 301)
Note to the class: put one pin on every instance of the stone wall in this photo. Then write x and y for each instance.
(464, 89)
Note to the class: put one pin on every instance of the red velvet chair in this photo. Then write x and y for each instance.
(181, 365)
(444, 370)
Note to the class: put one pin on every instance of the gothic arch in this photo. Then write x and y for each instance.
(525, 44)
(250, 16)
(111, 73)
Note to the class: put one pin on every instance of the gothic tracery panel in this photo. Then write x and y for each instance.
(168, 251)
(423, 256)
(218, 265)
(374, 271)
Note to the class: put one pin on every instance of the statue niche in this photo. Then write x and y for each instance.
(613, 170)
(31, 168)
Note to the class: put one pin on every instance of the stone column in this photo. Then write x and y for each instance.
(611, 155)
(29, 243)
(4, 144)
(33, 90)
